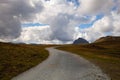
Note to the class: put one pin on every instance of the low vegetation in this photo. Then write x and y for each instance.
(106, 55)
(17, 58)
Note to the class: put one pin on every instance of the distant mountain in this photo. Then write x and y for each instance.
(108, 39)
(80, 41)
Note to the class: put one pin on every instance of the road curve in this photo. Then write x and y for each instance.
(63, 65)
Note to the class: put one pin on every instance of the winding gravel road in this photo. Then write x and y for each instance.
(63, 65)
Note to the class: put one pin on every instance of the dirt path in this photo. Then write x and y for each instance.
(63, 65)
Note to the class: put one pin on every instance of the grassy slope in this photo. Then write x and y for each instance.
(17, 58)
(106, 55)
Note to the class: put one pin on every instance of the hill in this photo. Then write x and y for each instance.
(108, 39)
(80, 41)
(105, 53)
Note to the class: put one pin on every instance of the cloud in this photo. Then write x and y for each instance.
(95, 6)
(118, 5)
(61, 30)
(37, 35)
(34, 34)
(62, 16)
(103, 25)
(12, 13)
(108, 25)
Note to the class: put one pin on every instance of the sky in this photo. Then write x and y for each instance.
(58, 21)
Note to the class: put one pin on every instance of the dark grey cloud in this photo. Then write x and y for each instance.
(60, 28)
(9, 27)
(12, 13)
(62, 17)
(63, 26)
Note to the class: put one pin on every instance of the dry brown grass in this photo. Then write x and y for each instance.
(17, 58)
(106, 55)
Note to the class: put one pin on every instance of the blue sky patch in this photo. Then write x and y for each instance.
(76, 2)
(83, 26)
(32, 24)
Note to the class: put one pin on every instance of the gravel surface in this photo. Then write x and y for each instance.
(63, 65)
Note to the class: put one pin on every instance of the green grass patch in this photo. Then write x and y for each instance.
(104, 55)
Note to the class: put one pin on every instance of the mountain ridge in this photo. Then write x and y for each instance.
(108, 39)
(80, 41)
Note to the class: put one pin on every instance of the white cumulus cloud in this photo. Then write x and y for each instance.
(95, 6)
(63, 18)
(108, 25)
